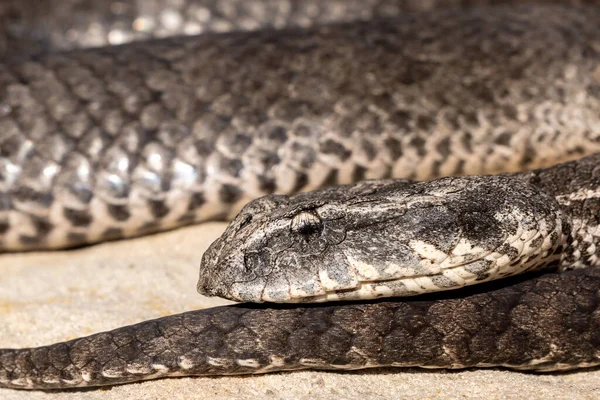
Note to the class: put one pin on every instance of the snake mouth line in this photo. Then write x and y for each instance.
(409, 286)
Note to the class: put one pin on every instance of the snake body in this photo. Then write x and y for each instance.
(120, 141)
(542, 324)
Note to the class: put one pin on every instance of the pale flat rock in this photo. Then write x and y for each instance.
(50, 297)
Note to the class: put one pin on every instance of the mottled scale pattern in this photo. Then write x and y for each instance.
(546, 324)
(576, 187)
(121, 141)
(34, 26)
(116, 142)
(390, 238)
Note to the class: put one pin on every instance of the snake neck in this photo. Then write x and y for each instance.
(576, 187)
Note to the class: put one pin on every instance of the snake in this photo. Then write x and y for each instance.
(366, 160)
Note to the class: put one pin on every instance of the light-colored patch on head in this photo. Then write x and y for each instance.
(364, 271)
(415, 285)
(365, 291)
(425, 284)
(502, 261)
(276, 296)
(428, 251)
(396, 269)
(464, 247)
(463, 252)
(329, 282)
(296, 291)
(455, 277)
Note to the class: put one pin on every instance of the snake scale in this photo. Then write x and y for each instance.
(116, 142)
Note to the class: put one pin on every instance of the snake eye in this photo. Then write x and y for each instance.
(307, 223)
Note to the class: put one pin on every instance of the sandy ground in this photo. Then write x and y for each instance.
(46, 298)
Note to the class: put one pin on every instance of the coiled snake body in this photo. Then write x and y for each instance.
(116, 142)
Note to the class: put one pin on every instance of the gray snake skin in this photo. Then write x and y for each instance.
(116, 142)
(399, 238)
(120, 141)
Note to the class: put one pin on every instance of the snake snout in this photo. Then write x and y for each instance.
(210, 280)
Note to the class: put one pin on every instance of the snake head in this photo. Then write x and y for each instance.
(381, 239)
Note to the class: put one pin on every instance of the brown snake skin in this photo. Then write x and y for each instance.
(546, 323)
(121, 141)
